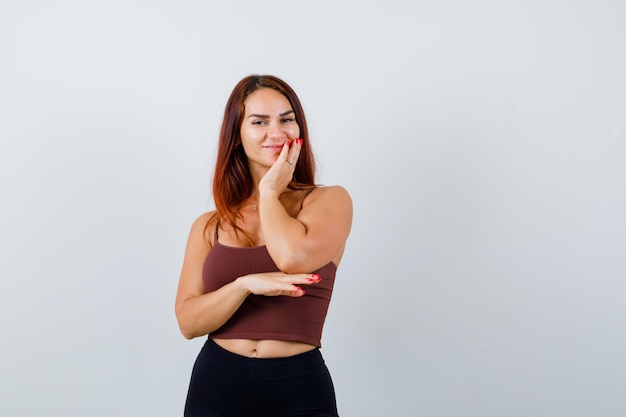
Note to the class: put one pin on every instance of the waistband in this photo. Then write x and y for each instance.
(263, 368)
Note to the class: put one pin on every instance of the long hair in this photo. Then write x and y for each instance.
(232, 182)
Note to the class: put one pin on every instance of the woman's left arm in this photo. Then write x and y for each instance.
(312, 239)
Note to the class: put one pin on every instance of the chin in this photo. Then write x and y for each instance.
(271, 161)
(264, 163)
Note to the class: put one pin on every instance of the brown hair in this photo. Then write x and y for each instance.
(232, 182)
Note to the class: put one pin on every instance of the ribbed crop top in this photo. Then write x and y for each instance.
(262, 317)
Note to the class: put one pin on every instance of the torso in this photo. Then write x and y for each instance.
(293, 202)
(264, 348)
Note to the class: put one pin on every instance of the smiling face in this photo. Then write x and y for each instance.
(269, 121)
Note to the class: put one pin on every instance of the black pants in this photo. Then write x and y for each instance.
(224, 384)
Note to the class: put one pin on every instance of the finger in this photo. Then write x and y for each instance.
(288, 290)
(312, 279)
(306, 279)
(299, 292)
(294, 151)
(295, 294)
(294, 287)
(284, 152)
(292, 291)
(291, 154)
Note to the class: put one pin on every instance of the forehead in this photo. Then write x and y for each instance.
(266, 101)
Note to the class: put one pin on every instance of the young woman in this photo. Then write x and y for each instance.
(258, 271)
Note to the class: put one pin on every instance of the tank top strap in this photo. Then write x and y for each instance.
(309, 191)
(215, 237)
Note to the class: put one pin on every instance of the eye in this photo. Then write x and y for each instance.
(258, 122)
(288, 120)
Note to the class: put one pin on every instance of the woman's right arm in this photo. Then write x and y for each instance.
(199, 313)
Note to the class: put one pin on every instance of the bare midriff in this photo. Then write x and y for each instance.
(264, 348)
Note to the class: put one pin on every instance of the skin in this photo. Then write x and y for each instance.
(302, 231)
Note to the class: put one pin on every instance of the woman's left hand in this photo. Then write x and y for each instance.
(280, 174)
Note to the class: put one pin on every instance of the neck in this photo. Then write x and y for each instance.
(257, 172)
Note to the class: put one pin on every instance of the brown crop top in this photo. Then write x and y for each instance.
(261, 317)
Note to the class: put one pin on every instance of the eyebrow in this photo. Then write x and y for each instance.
(264, 116)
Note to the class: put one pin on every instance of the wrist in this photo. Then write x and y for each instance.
(242, 285)
(268, 194)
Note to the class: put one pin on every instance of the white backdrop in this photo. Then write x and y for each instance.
(482, 143)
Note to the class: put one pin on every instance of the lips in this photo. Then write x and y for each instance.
(275, 148)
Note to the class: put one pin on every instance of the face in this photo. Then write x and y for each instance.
(269, 121)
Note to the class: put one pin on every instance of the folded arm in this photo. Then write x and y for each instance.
(316, 236)
(199, 313)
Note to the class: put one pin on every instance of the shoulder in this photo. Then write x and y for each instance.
(327, 203)
(204, 218)
(203, 227)
(332, 193)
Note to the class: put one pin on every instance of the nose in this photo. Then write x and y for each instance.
(275, 132)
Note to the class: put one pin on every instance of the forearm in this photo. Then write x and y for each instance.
(200, 315)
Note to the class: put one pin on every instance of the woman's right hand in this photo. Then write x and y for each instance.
(277, 283)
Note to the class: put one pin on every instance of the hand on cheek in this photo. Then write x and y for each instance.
(281, 172)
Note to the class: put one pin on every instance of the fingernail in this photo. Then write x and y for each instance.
(300, 141)
(288, 142)
(315, 276)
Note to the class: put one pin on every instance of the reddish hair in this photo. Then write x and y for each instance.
(232, 182)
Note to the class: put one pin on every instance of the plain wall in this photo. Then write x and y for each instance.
(482, 143)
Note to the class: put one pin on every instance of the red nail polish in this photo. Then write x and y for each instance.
(300, 141)
(288, 143)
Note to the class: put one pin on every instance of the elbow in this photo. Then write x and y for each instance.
(191, 327)
(292, 256)
(185, 330)
(291, 263)
(187, 334)
(184, 325)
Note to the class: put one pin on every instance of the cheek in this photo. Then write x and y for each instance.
(247, 135)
